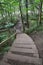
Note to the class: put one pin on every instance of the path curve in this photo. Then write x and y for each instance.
(22, 52)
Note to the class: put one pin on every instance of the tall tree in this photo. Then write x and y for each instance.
(39, 7)
(27, 13)
(21, 15)
(40, 11)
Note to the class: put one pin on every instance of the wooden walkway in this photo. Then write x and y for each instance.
(22, 52)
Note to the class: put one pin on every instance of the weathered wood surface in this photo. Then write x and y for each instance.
(23, 52)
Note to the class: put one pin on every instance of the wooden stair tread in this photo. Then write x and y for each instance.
(26, 59)
(24, 50)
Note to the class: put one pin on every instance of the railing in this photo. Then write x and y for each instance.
(8, 40)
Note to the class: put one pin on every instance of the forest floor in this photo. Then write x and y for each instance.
(38, 39)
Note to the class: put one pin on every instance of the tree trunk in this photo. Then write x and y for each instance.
(14, 10)
(40, 12)
(21, 15)
(27, 13)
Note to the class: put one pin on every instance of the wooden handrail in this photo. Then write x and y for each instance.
(3, 42)
(3, 30)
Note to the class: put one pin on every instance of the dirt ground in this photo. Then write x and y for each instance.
(38, 39)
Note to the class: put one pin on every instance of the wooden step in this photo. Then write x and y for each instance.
(24, 59)
(28, 47)
(26, 54)
(24, 41)
(24, 38)
(25, 46)
(24, 50)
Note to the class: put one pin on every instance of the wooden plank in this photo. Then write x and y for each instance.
(24, 38)
(25, 59)
(24, 46)
(24, 50)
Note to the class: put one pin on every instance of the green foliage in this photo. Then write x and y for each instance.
(9, 16)
(37, 1)
(3, 36)
(7, 44)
